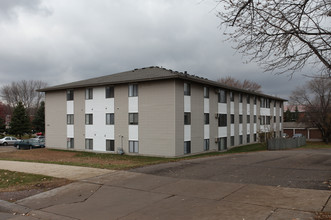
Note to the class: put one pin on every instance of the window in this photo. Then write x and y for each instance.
(232, 118)
(248, 119)
(187, 147)
(89, 93)
(268, 120)
(280, 105)
(206, 144)
(110, 118)
(133, 146)
(133, 118)
(254, 100)
(205, 92)
(187, 118)
(206, 118)
(70, 143)
(222, 145)
(89, 144)
(240, 119)
(133, 90)
(262, 120)
(187, 89)
(222, 120)
(231, 96)
(262, 102)
(274, 119)
(248, 139)
(274, 103)
(89, 119)
(254, 137)
(240, 139)
(280, 119)
(70, 119)
(222, 96)
(254, 119)
(267, 103)
(110, 145)
(248, 99)
(240, 98)
(70, 94)
(109, 92)
(232, 140)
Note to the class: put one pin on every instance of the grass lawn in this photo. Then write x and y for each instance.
(13, 181)
(107, 161)
(17, 185)
(316, 145)
(119, 162)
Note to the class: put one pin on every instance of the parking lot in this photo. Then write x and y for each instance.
(300, 168)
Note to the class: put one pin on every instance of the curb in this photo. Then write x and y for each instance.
(9, 207)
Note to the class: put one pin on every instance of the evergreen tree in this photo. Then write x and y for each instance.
(296, 114)
(287, 116)
(2, 125)
(39, 120)
(20, 123)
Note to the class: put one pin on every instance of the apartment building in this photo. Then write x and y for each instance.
(156, 111)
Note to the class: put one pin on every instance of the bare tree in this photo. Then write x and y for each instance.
(246, 84)
(280, 35)
(315, 97)
(25, 92)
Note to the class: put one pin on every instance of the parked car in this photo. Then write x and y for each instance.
(31, 143)
(285, 135)
(8, 140)
(16, 142)
(297, 135)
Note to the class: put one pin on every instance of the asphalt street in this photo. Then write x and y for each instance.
(300, 168)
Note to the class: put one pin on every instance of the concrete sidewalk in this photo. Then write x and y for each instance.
(55, 170)
(128, 195)
(105, 194)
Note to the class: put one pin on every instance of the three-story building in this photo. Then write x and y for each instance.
(156, 111)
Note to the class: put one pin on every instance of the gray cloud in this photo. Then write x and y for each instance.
(82, 39)
(9, 9)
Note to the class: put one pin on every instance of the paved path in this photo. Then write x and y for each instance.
(133, 195)
(55, 170)
(128, 195)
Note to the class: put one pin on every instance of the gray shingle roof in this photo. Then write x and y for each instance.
(145, 74)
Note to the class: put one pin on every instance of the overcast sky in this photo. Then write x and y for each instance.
(60, 41)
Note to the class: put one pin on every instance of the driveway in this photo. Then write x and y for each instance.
(300, 168)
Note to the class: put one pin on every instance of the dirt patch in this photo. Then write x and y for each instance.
(20, 192)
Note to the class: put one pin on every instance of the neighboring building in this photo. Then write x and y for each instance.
(299, 127)
(159, 112)
(312, 134)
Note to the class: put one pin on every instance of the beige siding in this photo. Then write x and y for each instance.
(197, 118)
(244, 115)
(55, 119)
(179, 117)
(213, 122)
(79, 114)
(236, 119)
(121, 117)
(157, 118)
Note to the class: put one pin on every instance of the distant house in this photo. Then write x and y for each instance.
(299, 127)
(156, 111)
